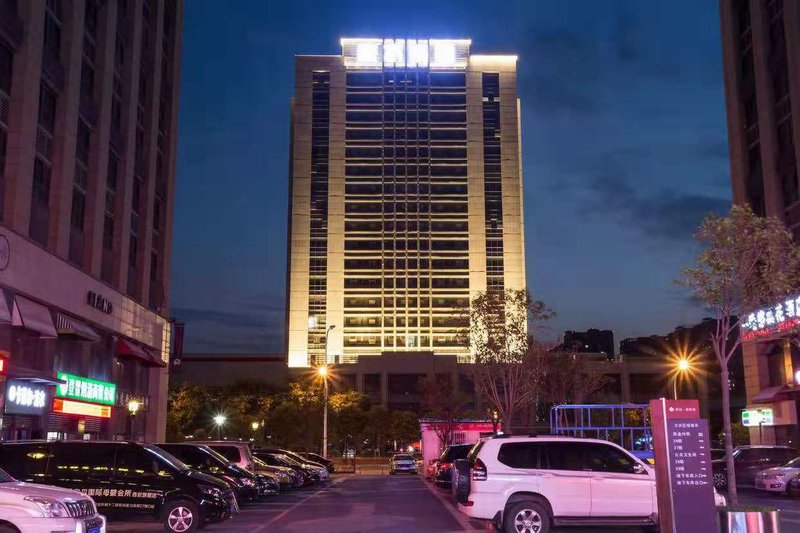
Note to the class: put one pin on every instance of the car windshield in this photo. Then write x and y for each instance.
(166, 457)
(215, 454)
(794, 463)
(402, 458)
(287, 459)
(5, 477)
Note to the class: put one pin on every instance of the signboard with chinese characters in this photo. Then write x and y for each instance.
(683, 467)
(691, 475)
(781, 317)
(25, 398)
(86, 389)
(755, 417)
(368, 53)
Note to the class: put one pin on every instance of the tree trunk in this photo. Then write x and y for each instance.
(726, 425)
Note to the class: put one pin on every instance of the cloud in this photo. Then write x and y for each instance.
(256, 326)
(666, 215)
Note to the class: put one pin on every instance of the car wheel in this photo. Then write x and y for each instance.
(8, 528)
(181, 516)
(462, 480)
(720, 481)
(526, 516)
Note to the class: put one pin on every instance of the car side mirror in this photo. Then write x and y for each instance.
(639, 469)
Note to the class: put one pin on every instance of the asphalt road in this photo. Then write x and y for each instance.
(352, 504)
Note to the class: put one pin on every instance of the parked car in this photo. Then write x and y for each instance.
(33, 508)
(777, 479)
(126, 479)
(240, 454)
(402, 462)
(310, 474)
(320, 469)
(327, 463)
(444, 470)
(503, 472)
(245, 484)
(794, 486)
(749, 461)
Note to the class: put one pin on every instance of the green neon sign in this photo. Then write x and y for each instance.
(86, 389)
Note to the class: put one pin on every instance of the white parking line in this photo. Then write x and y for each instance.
(290, 509)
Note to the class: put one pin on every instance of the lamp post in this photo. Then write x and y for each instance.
(326, 342)
(254, 426)
(219, 421)
(683, 366)
(133, 408)
(323, 373)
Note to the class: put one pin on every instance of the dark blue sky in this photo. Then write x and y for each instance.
(624, 149)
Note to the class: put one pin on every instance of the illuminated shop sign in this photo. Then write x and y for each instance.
(781, 317)
(755, 417)
(25, 398)
(406, 53)
(71, 407)
(86, 389)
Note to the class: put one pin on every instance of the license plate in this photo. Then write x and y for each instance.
(93, 530)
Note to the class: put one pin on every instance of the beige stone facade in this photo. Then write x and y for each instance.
(397, 216)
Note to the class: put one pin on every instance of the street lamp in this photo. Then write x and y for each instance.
(683, 366)
(322, 372)
(133, 408)
(219, 420)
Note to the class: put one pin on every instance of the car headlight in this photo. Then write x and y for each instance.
(208, 490)
(49, 508)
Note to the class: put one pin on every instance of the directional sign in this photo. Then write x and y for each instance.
(755, 417)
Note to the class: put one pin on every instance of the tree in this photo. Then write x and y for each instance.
(568, 379)
(747, 262)
(443, 404)
(189, 409)
(507, 365)
(405, 427)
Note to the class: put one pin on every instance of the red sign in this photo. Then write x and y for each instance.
(481, 427)
(71, 407)
(2, 364)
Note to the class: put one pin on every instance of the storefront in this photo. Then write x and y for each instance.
(772, 373)
(80, 359)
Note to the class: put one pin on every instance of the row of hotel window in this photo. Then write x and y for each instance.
(352, 302)
(406, 77)
(406, 321)
(403, 133)
(406, 283)
(407, 341)
(391, 116)
(412, 152)
(388, 188)
(406, 225)
(441, 207)
(422, 99)
(446, 169)
(410, 244)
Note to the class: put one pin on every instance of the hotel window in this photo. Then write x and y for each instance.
(40, 199)
(52, 27)
(47, 108)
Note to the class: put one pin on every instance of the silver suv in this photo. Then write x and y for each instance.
(530, 484)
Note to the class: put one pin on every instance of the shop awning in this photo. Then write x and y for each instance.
(5, 309)
(33, 316)
(127, 348)
(772, 394)
(34, 376)
(75, 328)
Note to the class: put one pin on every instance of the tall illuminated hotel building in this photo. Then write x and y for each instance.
(406, 197)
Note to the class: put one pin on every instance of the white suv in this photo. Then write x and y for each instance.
(31, 508)
(530, 484)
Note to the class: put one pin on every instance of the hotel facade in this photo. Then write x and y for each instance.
(761, 67)
(88, 123)
(405, 201)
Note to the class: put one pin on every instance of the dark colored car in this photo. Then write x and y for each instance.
(127, 480)
(749, 461)
(327, 463)
(278, 459)
(245, 485)
(794, 486)
(444, 470)
(296, 457)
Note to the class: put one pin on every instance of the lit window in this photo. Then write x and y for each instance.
(393, 53)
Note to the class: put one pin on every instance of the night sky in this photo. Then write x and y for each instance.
(624, 150)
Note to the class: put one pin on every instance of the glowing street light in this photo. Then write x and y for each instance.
(133, 408)
(254, 425)
(219, 421)
(682, 367)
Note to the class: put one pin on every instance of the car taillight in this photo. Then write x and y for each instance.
(478, 471)
(445, 466)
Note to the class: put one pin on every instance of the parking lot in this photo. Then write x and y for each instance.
(351, 503)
